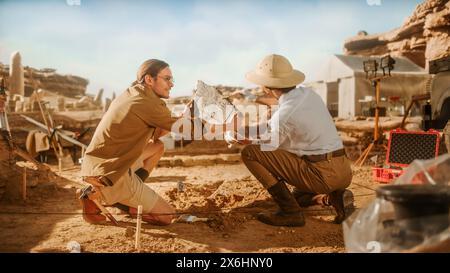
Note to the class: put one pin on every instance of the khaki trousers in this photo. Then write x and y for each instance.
(319, 177)
(131, 191)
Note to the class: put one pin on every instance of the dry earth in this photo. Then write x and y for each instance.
(226, 194)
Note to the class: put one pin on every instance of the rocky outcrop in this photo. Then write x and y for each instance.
(48, 79)
(424, 36)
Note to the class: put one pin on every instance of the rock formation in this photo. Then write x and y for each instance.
(48, 79)
(424, 36)
(16, 85)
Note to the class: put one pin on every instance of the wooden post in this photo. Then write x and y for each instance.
(137, 243)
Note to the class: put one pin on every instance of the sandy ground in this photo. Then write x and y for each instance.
(226, 194)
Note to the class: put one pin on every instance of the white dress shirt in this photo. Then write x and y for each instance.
(303, 125)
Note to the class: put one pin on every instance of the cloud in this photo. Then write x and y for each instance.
(215, 41)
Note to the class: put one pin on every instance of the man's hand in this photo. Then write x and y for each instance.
(245, 141)
(232, 137)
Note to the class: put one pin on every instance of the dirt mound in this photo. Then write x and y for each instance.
(226, 222)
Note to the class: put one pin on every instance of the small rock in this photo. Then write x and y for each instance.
(74, 247)
(226, 236)
(129, 232)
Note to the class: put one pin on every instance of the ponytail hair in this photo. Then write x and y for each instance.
(150, 67)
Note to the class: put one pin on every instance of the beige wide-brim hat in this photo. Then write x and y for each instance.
(275, 71)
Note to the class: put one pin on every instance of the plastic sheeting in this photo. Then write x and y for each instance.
(377, 228)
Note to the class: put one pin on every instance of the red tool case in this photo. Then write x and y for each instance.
(403, 148)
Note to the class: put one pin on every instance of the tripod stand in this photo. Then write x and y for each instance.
(362, 158)
(371, 67)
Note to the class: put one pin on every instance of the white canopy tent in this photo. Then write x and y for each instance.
(343, 83)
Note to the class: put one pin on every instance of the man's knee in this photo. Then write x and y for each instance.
(163, 219)
(167, 219)
(249, 151)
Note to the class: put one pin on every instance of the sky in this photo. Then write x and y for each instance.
(216, 41)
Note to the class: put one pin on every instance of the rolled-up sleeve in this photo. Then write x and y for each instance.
(155, 114)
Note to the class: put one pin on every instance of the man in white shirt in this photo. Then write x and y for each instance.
(309, 153)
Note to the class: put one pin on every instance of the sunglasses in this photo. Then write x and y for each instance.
(168, 79)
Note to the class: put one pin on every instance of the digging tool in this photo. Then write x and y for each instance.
(84, 194)
(54, 142)
(6, 133)
(57, 131)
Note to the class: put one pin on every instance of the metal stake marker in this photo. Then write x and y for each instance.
(137, 244)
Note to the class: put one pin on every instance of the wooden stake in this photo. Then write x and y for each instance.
(24, 184)
(138, 229)
(60, 164)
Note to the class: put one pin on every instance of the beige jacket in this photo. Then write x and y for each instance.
(123, 132)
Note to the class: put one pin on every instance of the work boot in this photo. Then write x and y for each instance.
(289, 213)
(340, 200)
(91, 213)
(304, 199)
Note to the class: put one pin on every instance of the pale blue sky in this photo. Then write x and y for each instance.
(214, 41)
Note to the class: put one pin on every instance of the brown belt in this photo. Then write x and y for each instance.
(323, 157)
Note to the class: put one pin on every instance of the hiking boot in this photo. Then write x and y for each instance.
(289, 213)
(341, 201)
(280, 218)
(91, 213)
(304, 199)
